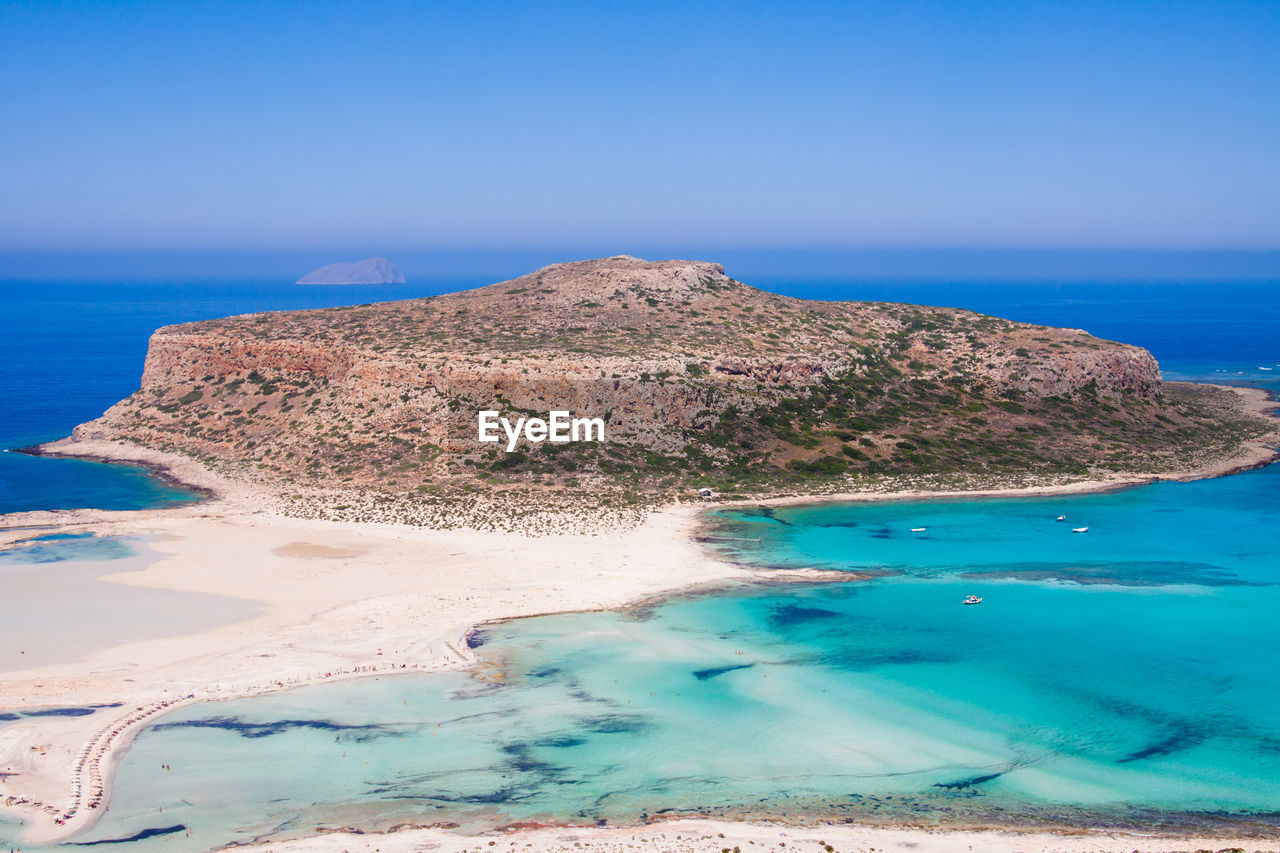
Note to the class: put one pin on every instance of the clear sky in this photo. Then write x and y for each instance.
(186, 125)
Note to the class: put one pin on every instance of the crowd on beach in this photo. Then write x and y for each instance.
(89, 759)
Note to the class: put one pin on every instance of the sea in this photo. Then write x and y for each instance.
(1123, 677)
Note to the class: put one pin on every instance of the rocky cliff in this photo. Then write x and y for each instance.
(698, 376)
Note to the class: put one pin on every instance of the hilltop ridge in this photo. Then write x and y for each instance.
(701, 379)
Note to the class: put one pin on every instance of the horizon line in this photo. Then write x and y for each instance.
(709, 246)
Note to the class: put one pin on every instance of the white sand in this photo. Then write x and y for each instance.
(707, 836)
(337, 598)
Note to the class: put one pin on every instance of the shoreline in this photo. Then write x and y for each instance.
(328, 636)
(325, 639)
(1253, 455)
(713, 835)
(165, 473)
(187, 473)
(176, 470)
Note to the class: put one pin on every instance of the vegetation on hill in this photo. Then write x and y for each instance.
(703, 381)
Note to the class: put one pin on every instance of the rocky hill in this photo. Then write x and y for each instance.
(368, 271)
(702, 380)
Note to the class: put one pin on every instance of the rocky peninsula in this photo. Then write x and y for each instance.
(369, 412)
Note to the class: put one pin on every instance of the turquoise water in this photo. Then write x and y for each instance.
(1121, 677)
(66, 547)
(1211, 533)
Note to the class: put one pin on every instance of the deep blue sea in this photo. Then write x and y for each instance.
(1124, 677)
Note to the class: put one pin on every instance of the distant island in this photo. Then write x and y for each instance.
(368, 271)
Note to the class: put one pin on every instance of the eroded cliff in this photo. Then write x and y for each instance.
(700, 378)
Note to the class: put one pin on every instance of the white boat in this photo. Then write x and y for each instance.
(972, 599)
(1061, 518)
(919, 529)
(1079, 530)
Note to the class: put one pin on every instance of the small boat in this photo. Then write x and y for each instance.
(971, 599)
(1061, 518)
(919, 529)
(1079, 530)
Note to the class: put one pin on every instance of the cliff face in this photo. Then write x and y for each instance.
(694, 373)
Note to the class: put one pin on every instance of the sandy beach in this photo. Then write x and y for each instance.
(342, 600)
(338, 601)
(711, 836)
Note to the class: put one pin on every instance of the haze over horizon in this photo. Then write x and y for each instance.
(760, 266)
(312, 127)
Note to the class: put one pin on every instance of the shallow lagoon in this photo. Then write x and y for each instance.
(1138, 687)
(58, 608)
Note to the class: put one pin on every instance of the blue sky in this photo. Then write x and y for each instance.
(319, 125)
